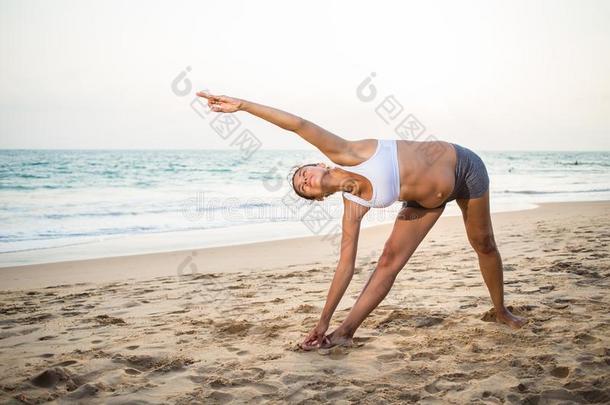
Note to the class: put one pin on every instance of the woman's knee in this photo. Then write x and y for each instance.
(391, 257)
(484, 243)
(388, 255)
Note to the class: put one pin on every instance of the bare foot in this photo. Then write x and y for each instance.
(337, 338)
(506, 317)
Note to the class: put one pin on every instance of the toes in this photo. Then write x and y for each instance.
(326, 343)
(516, 322)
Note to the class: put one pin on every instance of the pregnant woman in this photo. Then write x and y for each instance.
(374, 173)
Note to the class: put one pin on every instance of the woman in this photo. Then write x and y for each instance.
(376, 173)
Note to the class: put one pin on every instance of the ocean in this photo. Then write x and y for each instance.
(74, 204)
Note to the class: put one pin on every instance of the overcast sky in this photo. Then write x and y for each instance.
(489, 75)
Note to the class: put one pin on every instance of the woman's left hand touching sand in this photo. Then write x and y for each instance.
(316, 338)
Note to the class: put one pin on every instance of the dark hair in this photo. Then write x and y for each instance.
(294, 175)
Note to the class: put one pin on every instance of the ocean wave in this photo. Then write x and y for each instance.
(22, 187)
(32, 176)
(38, 248)
(577, 162)
(218, 170)
(50, 235)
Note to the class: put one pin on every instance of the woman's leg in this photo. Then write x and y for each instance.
(477, 220)
(410, 228)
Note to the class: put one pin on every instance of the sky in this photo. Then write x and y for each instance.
(490, 75)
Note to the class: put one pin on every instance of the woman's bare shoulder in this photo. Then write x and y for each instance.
(358, 151)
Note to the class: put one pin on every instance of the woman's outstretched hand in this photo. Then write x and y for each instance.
(223, 104)
(315, 338)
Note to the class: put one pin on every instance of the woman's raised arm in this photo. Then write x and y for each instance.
(333, 146)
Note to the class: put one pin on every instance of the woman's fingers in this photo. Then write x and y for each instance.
(310, 343)
(204, 94)
(309, 338)
(223, 104)
(309, 346)
(208, 96)
(220, 103)
(213, 97)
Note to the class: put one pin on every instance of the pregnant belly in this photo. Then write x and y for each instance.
(432, 190)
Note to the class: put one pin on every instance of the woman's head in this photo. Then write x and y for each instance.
(307, 181)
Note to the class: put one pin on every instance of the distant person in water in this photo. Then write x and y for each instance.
(374, 173)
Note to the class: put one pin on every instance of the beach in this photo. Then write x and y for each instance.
(223, 324)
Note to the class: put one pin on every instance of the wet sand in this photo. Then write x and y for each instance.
(223, 324)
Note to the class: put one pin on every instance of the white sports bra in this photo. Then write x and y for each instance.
(381, 170)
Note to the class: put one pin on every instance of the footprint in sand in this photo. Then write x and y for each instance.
(389, 357)
(270, 356)
(427, 321)
(560, 372)
(104, 320)
(65, 363)
(46, 379)
(220, 396)
(238, 328)
(5, 335)
(556, 305)
(306, 309)
(264, 388)
(84, 391)
(585, 338)
(53, 376)
(423, 356)
(595, 396)
(455, 377)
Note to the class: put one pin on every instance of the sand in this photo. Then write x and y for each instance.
(221, 325)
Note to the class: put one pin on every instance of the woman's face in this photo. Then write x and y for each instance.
(308, 180)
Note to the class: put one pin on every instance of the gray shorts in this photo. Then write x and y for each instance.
(471, 178)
